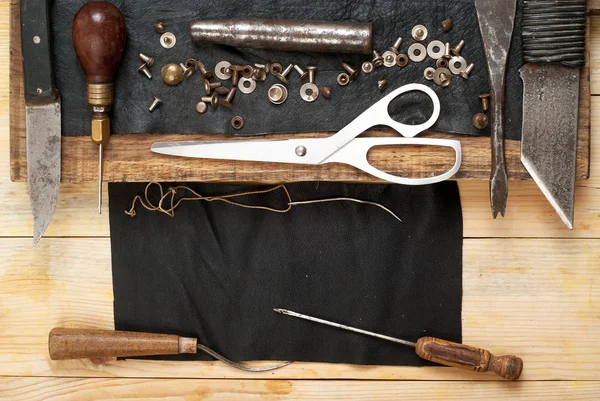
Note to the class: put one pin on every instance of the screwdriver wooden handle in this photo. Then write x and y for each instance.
(470, 358)
(89, 343)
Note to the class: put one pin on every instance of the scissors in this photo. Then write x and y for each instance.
(343, 147)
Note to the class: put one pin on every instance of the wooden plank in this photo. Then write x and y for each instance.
(538, 299)
(42, 389)
(128, 157)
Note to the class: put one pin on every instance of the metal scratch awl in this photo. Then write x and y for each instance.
(551, 78)
(496, 22)
(42, 114)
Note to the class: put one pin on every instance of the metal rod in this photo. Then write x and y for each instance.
(341, 326)
(287, 35)
(100, 179)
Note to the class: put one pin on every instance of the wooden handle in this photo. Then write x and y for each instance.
(470, 358)
(99, 40)
(89, 343)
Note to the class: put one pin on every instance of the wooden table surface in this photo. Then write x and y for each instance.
(531, 287)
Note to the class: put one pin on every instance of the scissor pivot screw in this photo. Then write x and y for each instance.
(301, 151)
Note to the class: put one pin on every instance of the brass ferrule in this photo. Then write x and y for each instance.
(100, 94)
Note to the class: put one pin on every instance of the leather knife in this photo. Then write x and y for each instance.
(43, 114)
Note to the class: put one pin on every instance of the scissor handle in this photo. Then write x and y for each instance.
(356, 154)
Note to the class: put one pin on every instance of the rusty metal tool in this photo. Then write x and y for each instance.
(287, 35)
(99, 40)
(440, 351)
(551, 78)
(496, 22)
(42, 114)
(64, 344)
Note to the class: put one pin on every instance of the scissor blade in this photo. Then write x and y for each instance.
(43, 163)
(282, 151)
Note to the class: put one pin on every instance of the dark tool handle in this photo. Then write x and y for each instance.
(89, 343)
(470, 358)
(99, 39)
(37, 52)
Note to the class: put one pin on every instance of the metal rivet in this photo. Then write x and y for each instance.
(465, 74)
(277, 94)
(458, 48)
(352, 73)
(401, 60)
(326, 92)
(447, 54)
(367, 67)
(168, 40)
(36, 40)
(396, 45)
(202, 107)
(230, 95)
(237, 122)
(287, 70)
(300, 71)
(205, 73)
(485, 101)
(377, 59)
(187, 71)
(209, 86)
(213, 100)
(382, 85)
(159, 27)
(301, 151)
(428, 73)
(419, 33)
(172, 74)
(154, 104)
(311, 73)
(39, 91)
(389, 58)
(480, 121)
(343, 79)
(447, 24)
(275, 68)
(144, 70)
(149, 61)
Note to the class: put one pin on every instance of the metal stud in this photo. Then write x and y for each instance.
(154, 104)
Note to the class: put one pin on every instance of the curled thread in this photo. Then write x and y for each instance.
(170, 198)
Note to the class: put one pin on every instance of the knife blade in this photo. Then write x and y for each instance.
(551, 78)
(496, 20)
(42, 114)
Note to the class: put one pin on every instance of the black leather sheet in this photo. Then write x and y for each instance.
(215, 271)
(390, 19)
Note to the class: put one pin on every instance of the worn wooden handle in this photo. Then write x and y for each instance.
(470, 358)
(89, 343)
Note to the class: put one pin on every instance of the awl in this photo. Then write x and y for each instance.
(554, 50)
(440, 351)
(496, 22)
(42, 114)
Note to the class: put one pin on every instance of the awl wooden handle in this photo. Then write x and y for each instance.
(470, 358)
(89, 343)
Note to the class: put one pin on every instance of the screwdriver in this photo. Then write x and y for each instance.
(99, 40)
(441, 351)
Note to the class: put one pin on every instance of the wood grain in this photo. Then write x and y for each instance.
(42, 389)
(128, 157)
(538, 299)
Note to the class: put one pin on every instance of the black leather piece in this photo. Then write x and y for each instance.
(177, 115)
(215, 271)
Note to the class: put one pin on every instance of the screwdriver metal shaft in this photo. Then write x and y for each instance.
(100, 179)
(344, 327)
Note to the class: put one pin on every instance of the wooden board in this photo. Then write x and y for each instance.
(538, 299)
(128, 157)
(42, 389)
